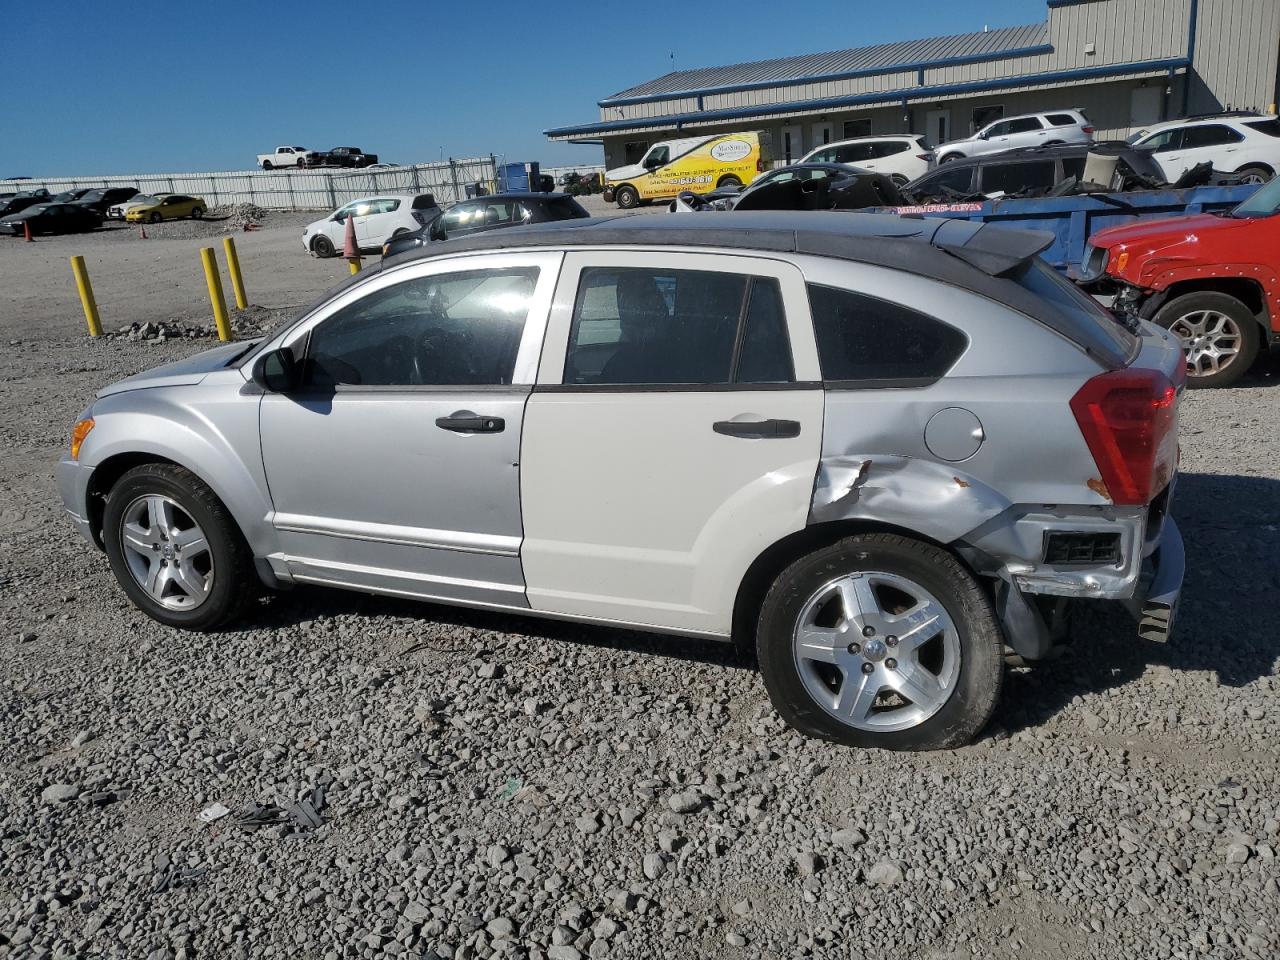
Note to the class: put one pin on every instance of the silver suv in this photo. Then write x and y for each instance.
(1028, 130)
(875, 451)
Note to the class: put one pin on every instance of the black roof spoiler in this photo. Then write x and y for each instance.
(995, 250)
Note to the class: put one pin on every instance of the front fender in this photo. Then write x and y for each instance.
(216, 439)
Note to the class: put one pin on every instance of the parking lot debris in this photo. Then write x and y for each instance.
(244, 216)
(170, 876)
(292, 818)
(215, 811)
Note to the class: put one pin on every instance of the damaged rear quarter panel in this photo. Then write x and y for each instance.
(1016, 376)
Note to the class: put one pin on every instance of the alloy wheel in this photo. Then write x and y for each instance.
(166, 551)
(1211, 340)
(876, 651)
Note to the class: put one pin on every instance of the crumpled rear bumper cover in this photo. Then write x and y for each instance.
(1155, 601)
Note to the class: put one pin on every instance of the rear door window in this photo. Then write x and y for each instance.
(1016, 177)
(867, 341)
(1061, 119)
(658, 327)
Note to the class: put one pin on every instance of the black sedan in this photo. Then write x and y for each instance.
(489, 213)
(46, 218)
(99, 200)
(20, 201)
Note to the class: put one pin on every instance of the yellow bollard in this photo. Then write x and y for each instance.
(233, 268)
(215, 293)
(86, 296)
(354, 263)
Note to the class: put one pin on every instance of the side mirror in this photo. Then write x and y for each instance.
(437, 231)
(277, 371)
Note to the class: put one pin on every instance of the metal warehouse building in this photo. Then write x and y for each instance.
(1128, 63)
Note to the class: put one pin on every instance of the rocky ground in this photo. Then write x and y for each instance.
(433, 782)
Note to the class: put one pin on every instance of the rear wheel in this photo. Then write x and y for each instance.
(175, 549)
(951, 156)
(898, 180)
(197, 213)
(322, 246)
(729, 181)
(881, 641)
(1219, 335)
(1254, 174)
(155, 217)
(627, 197)
(266, 164)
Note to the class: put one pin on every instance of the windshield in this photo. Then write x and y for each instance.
(140, 198)
(1263, 203)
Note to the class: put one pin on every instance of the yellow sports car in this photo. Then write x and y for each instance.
(175, 206)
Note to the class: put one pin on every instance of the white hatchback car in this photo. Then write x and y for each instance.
(902, 158)
(1248, 145)
(1029, 130)
(377, 220)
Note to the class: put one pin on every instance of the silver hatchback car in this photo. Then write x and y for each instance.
(878, 452)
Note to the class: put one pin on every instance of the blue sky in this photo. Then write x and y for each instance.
(97, 87)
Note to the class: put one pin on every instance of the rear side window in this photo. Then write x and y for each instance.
(1016, 177)
(1270, 127)
(1210, 135)
(864, 339)
(1077, 316)
(424, 201)
(890, 147)
(1062, 119)
(959, 179)
(659, 327)
(568, 209)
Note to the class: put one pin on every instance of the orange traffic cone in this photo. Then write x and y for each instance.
(349, 248)
(26, 231)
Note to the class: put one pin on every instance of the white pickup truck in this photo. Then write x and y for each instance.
(283, 157)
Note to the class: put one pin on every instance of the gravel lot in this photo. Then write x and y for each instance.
(499, 786)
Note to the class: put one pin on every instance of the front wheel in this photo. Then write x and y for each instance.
(197, 213)
(628, 198)
(175, 548)
(881, 641)
(949, 157)
(1219, 335)
(322, 247)
(729, 181)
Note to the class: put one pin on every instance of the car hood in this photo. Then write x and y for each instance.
(1154, 234)
(180, 373)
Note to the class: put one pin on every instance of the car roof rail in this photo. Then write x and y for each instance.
(1223, 113)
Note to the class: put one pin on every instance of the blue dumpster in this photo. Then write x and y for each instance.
(518, 178)
(1073, 220)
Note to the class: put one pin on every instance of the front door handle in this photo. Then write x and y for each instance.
(758, 429)
(464, 421)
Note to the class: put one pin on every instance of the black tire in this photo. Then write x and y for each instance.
(155, 217)
(323, 247)
(898, 180)
(400, 232)
(973, 698)
(949, 157)
(627, 196)
(266, 165)
(234, 581)
(729, 180)
(197, 213)
(1255, 174)
(1173, 314)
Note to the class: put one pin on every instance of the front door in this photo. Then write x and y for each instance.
(938, 127)
(674, 434)
(792, 143)
(396, 466)
(821, 134)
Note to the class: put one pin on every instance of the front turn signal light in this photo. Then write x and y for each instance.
(1122, 261)
(78, 433)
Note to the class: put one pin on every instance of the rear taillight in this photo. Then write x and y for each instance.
(760, 165)
(1087, 129)
(924, 156)
(1129, 419)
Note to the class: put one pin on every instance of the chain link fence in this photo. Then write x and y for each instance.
(291, 189)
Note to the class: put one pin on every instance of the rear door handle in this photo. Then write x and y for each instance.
(758, 429)
(464, 421)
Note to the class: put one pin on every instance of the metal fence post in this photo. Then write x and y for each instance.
(416, 185)
(333, 199)
(453, 175)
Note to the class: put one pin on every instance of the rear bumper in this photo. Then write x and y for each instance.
(1155, 601)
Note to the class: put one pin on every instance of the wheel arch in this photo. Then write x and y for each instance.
(1247, 290)
(766, 568)
(1257, 165)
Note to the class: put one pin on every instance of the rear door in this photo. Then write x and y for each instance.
(1214, 143)
(674, 434)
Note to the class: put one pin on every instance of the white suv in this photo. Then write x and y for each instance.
(1249, 145)
(901, 158)
(1028, 130)
(377, 220)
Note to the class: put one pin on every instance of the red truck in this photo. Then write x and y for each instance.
(1212, 279)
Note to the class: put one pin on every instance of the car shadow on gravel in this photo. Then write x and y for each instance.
(1226, 615)
(456, 626)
